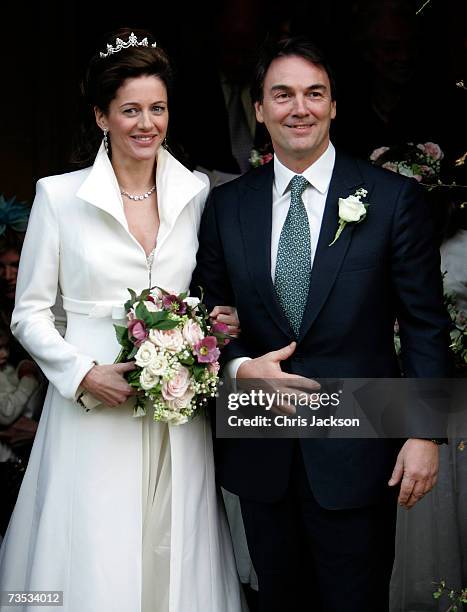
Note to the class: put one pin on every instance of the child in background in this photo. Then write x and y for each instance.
(17, 385)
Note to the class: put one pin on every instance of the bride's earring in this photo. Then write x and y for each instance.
(106, 140)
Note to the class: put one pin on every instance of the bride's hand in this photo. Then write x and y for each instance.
(106, 383)
(227, 315)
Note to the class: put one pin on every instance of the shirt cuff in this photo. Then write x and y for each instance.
(231, 368)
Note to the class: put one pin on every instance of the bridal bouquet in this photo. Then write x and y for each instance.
(176, 351)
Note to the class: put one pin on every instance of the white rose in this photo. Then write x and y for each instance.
(192, 332)
(151, 307)
(147, 379)
(177, 386)
(158, 365)
(145, 354)
(170, 339)
(351, 209)
(191, 301)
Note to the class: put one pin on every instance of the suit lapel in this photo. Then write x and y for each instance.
(346, 178)
(256, 226)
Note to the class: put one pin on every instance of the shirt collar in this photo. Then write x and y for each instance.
(318, 174)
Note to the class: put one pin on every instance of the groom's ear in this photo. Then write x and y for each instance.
(259, 112)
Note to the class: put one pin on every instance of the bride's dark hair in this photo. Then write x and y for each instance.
(105, 75)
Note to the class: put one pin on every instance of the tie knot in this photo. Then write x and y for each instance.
(298, 185)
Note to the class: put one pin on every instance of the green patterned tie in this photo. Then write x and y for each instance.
(293, 266)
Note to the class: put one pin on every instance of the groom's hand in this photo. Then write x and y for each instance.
(416, 469)
(268, 366)
(267, 369)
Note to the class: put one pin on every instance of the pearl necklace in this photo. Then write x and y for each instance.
(138, 197)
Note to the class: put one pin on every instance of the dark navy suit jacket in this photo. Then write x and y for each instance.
(384, 267)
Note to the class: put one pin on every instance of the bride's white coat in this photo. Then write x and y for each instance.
(77, 524)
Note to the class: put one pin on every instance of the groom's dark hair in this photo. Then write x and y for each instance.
(284, 47)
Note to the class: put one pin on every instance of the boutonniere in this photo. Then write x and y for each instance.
(351, 210)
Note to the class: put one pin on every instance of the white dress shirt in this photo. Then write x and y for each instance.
(314, 198)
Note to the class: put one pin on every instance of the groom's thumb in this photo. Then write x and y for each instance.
(285, 352)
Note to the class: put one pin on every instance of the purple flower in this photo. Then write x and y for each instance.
(221, 328)
(174, 304)
(206, 350)
(137, 331)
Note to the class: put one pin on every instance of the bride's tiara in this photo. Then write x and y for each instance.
(131, 42)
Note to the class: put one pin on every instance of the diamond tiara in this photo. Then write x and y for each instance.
(131, 42)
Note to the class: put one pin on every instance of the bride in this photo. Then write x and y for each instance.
(119, 513)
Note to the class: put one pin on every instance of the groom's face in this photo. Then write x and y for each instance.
(297, 110)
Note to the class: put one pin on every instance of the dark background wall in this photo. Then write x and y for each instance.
(45, 49)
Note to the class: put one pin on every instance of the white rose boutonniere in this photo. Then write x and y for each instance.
(351, 210)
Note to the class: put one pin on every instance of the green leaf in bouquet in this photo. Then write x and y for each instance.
(166, 324)
(158, 316)
(144, 295)
(133, 376)
(202, 309)
(203, 318)
(132, 353)
(162, 291)
(162, 320)
(183, 295)
(122, 336)
(201, 294)
(143, 314)
(187, 361)
(129, 303)
(198, 372)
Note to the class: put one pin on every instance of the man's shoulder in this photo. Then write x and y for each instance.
(256, 178)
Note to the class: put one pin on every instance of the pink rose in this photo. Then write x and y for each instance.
(433, 150)
(378, 152)
(192, 332)
(213, 368)
(177, 386)
(138, 331)
(219, 330)
(169, 339)
(427, 170)
(179, 403)
(390, 166)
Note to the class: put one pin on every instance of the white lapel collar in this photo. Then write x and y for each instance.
(176, 187)
(101, 189)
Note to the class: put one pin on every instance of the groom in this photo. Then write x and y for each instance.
(319, 514)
